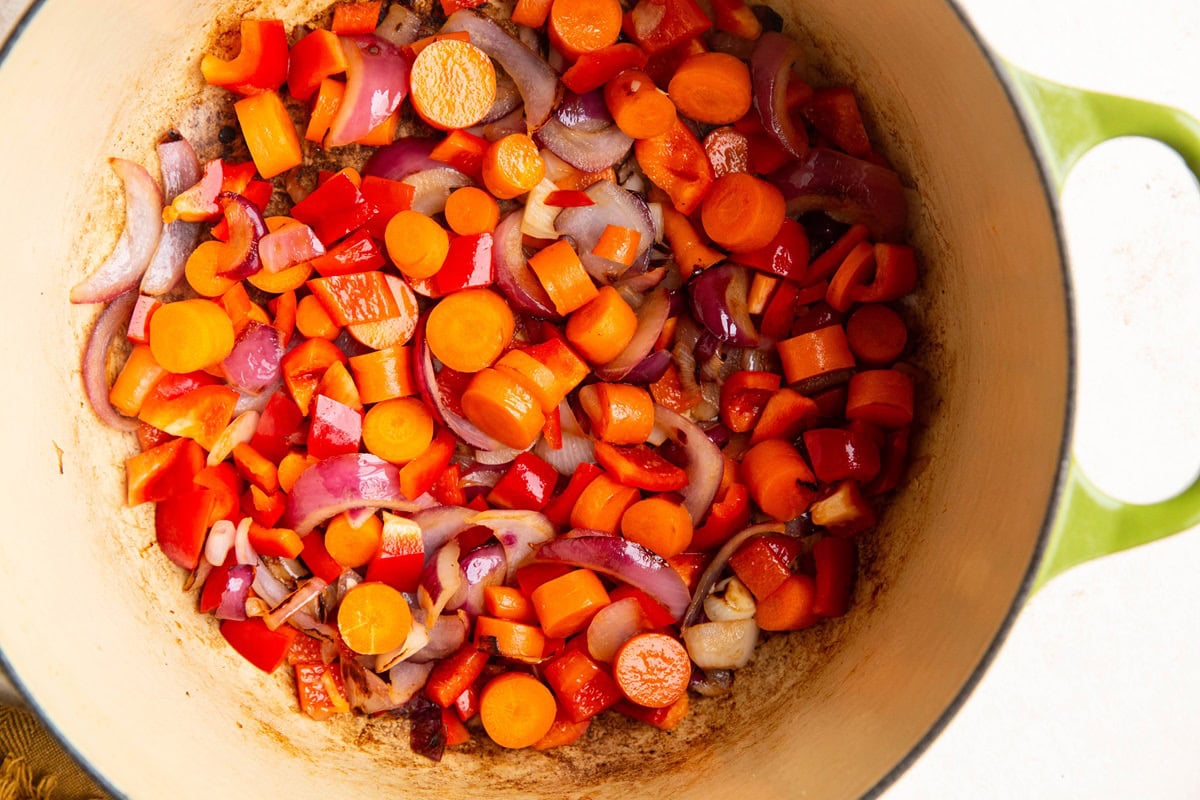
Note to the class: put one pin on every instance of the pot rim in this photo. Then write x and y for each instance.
(1027, 584)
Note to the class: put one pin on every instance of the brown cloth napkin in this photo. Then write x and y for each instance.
(33, 766)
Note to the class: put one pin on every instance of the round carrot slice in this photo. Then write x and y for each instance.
(453, 84)
(652, 669)
(398, 430)
(416, 244)
(468, 330)
(516, 709)
(512, 166)
(374, 618)
(188, 335)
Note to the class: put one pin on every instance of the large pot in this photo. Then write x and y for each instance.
(97, 632)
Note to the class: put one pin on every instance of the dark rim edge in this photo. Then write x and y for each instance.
(1024, 117)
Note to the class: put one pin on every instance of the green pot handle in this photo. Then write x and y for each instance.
(1068, 122)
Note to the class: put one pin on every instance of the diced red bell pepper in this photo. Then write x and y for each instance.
(785, 256)
(689, 566)
(895, 455)
(320, 690)
(658, 25)
(734, 16)
(839, 453)
(388, 198)
(279, 427)
(450, 6)
(277, 542)
(356, 17)
(418, 476)
(640, 467)
(317, 558)
(662, 718)
(357, 297)
(201, 414)
(335, 428)
(306, 650)
(780, 312)
(162, 471)
(314, 58)
(727, 516)
(454, 674)
(258, 644)
(785, 415)
(226, 485)
(552, 430)
(304, 365)
(456, 731)
(214, 588)
(764, 562)
(334, 209)
(255, 467)
(468, 265)
(834, 113)
(676, 163)
(528, 484)
(568, 198)
(836, 560)
(558, 510)
(743, 396)
(265, 508)
(181, 524)
(358, 252)
(467, 704)
(261, 63)
(138, 331)
(656, 613)
(583, 687)
(592, 70)
(447, 488)
(531, 576)
(463, 151)
(400, 556)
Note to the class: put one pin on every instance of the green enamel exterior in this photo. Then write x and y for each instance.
(1068, 122)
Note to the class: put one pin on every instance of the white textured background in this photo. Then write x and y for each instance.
(1096, 694)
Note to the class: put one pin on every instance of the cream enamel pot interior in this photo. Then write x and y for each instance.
(104, 644)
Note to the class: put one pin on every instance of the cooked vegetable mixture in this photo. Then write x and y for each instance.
(586, 378)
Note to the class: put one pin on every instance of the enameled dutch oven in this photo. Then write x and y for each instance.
(105, 645)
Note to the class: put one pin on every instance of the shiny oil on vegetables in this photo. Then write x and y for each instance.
(512, 366)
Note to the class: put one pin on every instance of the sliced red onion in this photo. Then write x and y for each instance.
(641, 283)
(584, 112)
(427, 385)
(482, 567)
(508, 99)
(498, 457)
(440, 525)
(400, 26)
(180, 170)
(848, 189)
(112, 321)
(704, 462)
(426, 728)
(712, 573)
(139, 237)
(612, 206)
(651, 368)
(233, 596)
(614, 625)
(290, 245)
(238, 258)
(538, 218)
(244, 553)
(775, 57)
(338, 483)
(440, 579)
(577, 448)
(711, 682)
(583, 134)
(219, 542)
(536, 81)
(418, 637)
(239, 431)
(445, 637)
(431, 187)
(253, 364)
(513, 274)
(376, 84)
(256, 402)
(625, 560)
(402, 158)
(719, 298)
(405, 680)
(512, 122)
(519, 533)
(652, 316)
(721, 645)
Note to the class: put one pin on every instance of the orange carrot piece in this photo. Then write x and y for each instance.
(566, 604)
(255, 467)
(398, 430)
(652, 670)
(284, 309)
(471, 210)
(576, 27)
(713, 88)
(137, 378)
(452, 84)
(549, 371)
(468, 330)
(270, 133)
(742, 212)
(351, 18)
(508, 602)
(562, 275)
(509, 639)
(241, 309)
(374, 618)
(602, 504)
(353, 546)
(290, 467)
(202, 271)
(531, 13)
(516, 709)
(618, 243)
(815, 354)
(382, 134)
(786, 414)
(502, 408)
(416, 244)
(383, 374)
(790, 607)
(312, 320)
(854, 270)
(564, 731)
(779, 479)
(512, 166)
(620, 412)
(603, 327)
(188, 335)
(413, 50)
(659, 524)
(876, 334)
(638, 107)
(883, 397)
(303, 366)
(329, 100)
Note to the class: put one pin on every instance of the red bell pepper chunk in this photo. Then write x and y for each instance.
(531, 576)
(454, 674)
(214, 587)
(834, 113)
(388, 197)
(468, 265)
(836, 560)
(448, 490)
(662, 718)
(354, 18)
(258, 644)
(279, 427)
(689, 566)
(568, 198)
(181, 524)
(320, 690)
(400, 557)
(528, 484)
(260, 65)
(314, 58)
(335, 429)
(734, 16)
(656, 613)
(839, 453)
(785, 256)
(356, 297)
(582, 686)
(552, 430)
(305, 650)
(592, 70)
(334, 209)
(138, 331)
(226, 485)
(450, 6)
(200, 414)
(467, 704)
(317, 558)
(676, 163)
(559, 509)
(895, 454)
(780, 312)
(463, 151)
(744, 395)
(277, 542)
(265, 508)
(764, 562)
(419, 475)
(162, 471)
(658, 25)
(640, 467)
(785, 415)
(727, 516)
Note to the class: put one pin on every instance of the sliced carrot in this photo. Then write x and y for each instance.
(516, 709)
(786, 414)
(416, 244)
(382, 134)
(471, 210)
(576, 27)
(502, 408)
(549, 371)
(618, 243)
(566, 604)
(135, 381)
(652, 670)
(742, 212)
(638, 107)
(374, 618)
(659, 524)
(531, 13)
(620, 412)
(255, 467)
(713, 88)
(601, 504)
(241, 309)
(508, 639)
(351, 18)
(883, 397)
(779, 479)
(876, 334)
(188, 335)
(816, 354)
(291, 466)
(562, 275)
(790, 607)
(452, 84)
(468, 330)
(269, 133)
(512, 166)
(508, 602)
(312, 320)
(603, 327)
(202, 270)
(329, 100)
(416, 47)
(383, 374)
(398, 430)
